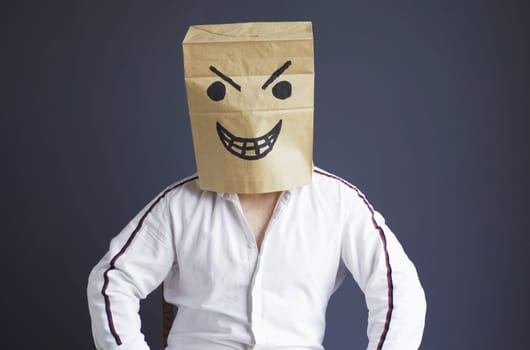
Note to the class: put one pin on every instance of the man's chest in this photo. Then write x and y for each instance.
(218, 250)
(257, 210)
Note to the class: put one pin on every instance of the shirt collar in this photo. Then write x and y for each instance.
(233, 196)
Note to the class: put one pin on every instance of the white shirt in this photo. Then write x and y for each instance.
(230, 296)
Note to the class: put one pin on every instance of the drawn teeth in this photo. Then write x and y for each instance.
(249, 148)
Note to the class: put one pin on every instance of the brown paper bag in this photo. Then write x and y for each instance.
(250, 93)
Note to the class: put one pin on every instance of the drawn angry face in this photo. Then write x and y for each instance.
(257, 147)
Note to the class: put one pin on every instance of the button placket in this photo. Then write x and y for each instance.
(254, 292)
(256, 287)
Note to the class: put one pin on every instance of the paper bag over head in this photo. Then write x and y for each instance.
(250, 90)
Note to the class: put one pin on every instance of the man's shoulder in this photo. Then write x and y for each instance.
(326, 179)
(337, 191)
(187, 187)
(331, 185)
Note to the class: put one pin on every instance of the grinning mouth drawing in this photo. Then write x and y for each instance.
(249, 148)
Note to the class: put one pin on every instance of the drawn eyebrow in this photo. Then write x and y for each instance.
(225, 78)
(276, 74)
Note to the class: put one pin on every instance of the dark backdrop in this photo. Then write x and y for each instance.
(423, 105)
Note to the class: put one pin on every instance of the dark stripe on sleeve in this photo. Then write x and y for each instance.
(121, 252)
(387, 259)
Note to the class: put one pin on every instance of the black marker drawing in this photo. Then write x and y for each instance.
(226, 78)
(276, 74)
(249, 148)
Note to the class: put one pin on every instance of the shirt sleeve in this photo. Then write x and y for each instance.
(394, 296)
(138, 260)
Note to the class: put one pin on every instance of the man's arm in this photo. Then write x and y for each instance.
(138, 260)
(388, 279)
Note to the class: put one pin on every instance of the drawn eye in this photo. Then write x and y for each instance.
(216, 91)
(282, 90)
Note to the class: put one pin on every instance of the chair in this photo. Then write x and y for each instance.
(167, 319)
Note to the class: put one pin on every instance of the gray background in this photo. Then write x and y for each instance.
(423, 105)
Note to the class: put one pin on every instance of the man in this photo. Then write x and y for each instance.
(252, 248)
